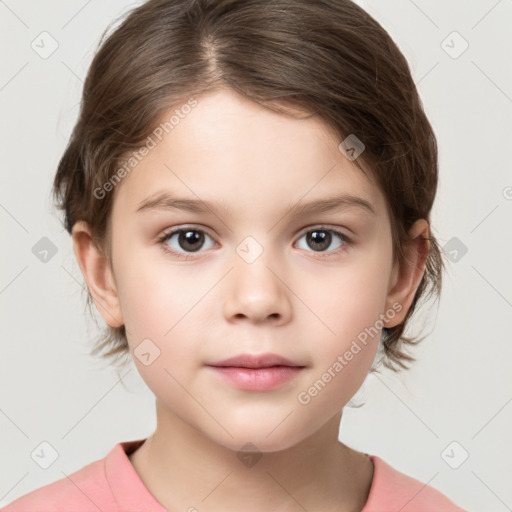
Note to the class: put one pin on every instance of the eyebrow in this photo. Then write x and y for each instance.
(165, 201)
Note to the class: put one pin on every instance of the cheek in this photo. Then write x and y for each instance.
(348, 300)
(155, 294)
(158, 309)
(348, 303)
(167, 303)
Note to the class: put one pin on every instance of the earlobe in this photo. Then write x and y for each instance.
(406, 276)
(97, 273)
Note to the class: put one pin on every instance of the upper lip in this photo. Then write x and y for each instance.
(256, 361)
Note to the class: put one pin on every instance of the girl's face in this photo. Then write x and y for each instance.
(255, 274)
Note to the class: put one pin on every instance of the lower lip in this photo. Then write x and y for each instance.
(258, 379)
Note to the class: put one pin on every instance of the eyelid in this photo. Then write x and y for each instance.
(184, 227)
(347, 241)
(326, 227)
(301, 232)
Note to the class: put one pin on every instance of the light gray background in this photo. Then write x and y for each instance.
(458, 391)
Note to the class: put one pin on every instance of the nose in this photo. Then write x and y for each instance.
(257, 293)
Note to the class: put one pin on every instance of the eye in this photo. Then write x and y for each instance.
(189, 239)
(321, 238)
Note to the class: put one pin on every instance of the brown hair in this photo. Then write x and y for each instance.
(327, 57)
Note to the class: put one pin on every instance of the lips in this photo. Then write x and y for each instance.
(264, 372)
(256, 361)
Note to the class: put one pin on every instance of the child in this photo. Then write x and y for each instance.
(286, 139)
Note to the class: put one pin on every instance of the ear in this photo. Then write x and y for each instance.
(406, 277)
(97, 273)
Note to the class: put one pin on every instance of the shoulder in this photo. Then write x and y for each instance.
(394, 490)
(85, 490)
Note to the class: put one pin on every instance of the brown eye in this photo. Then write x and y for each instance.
(321, 239)
(190, 240)
(184, 240)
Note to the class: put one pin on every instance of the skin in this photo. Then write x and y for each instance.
(215, 305)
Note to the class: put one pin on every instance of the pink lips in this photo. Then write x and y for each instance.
(257, 373)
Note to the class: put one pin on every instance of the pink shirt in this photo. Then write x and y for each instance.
(111, 484)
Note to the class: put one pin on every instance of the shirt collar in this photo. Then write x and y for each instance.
(132, 495)
(128, 489)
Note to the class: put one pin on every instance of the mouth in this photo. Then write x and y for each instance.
(257, 373)
(257, 361)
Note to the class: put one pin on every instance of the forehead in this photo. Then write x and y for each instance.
(230, 150)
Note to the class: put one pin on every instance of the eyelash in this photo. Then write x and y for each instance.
(188, 256)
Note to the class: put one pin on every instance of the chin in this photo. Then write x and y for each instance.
(257, 439)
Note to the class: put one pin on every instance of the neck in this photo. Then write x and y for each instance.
(183, 468)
